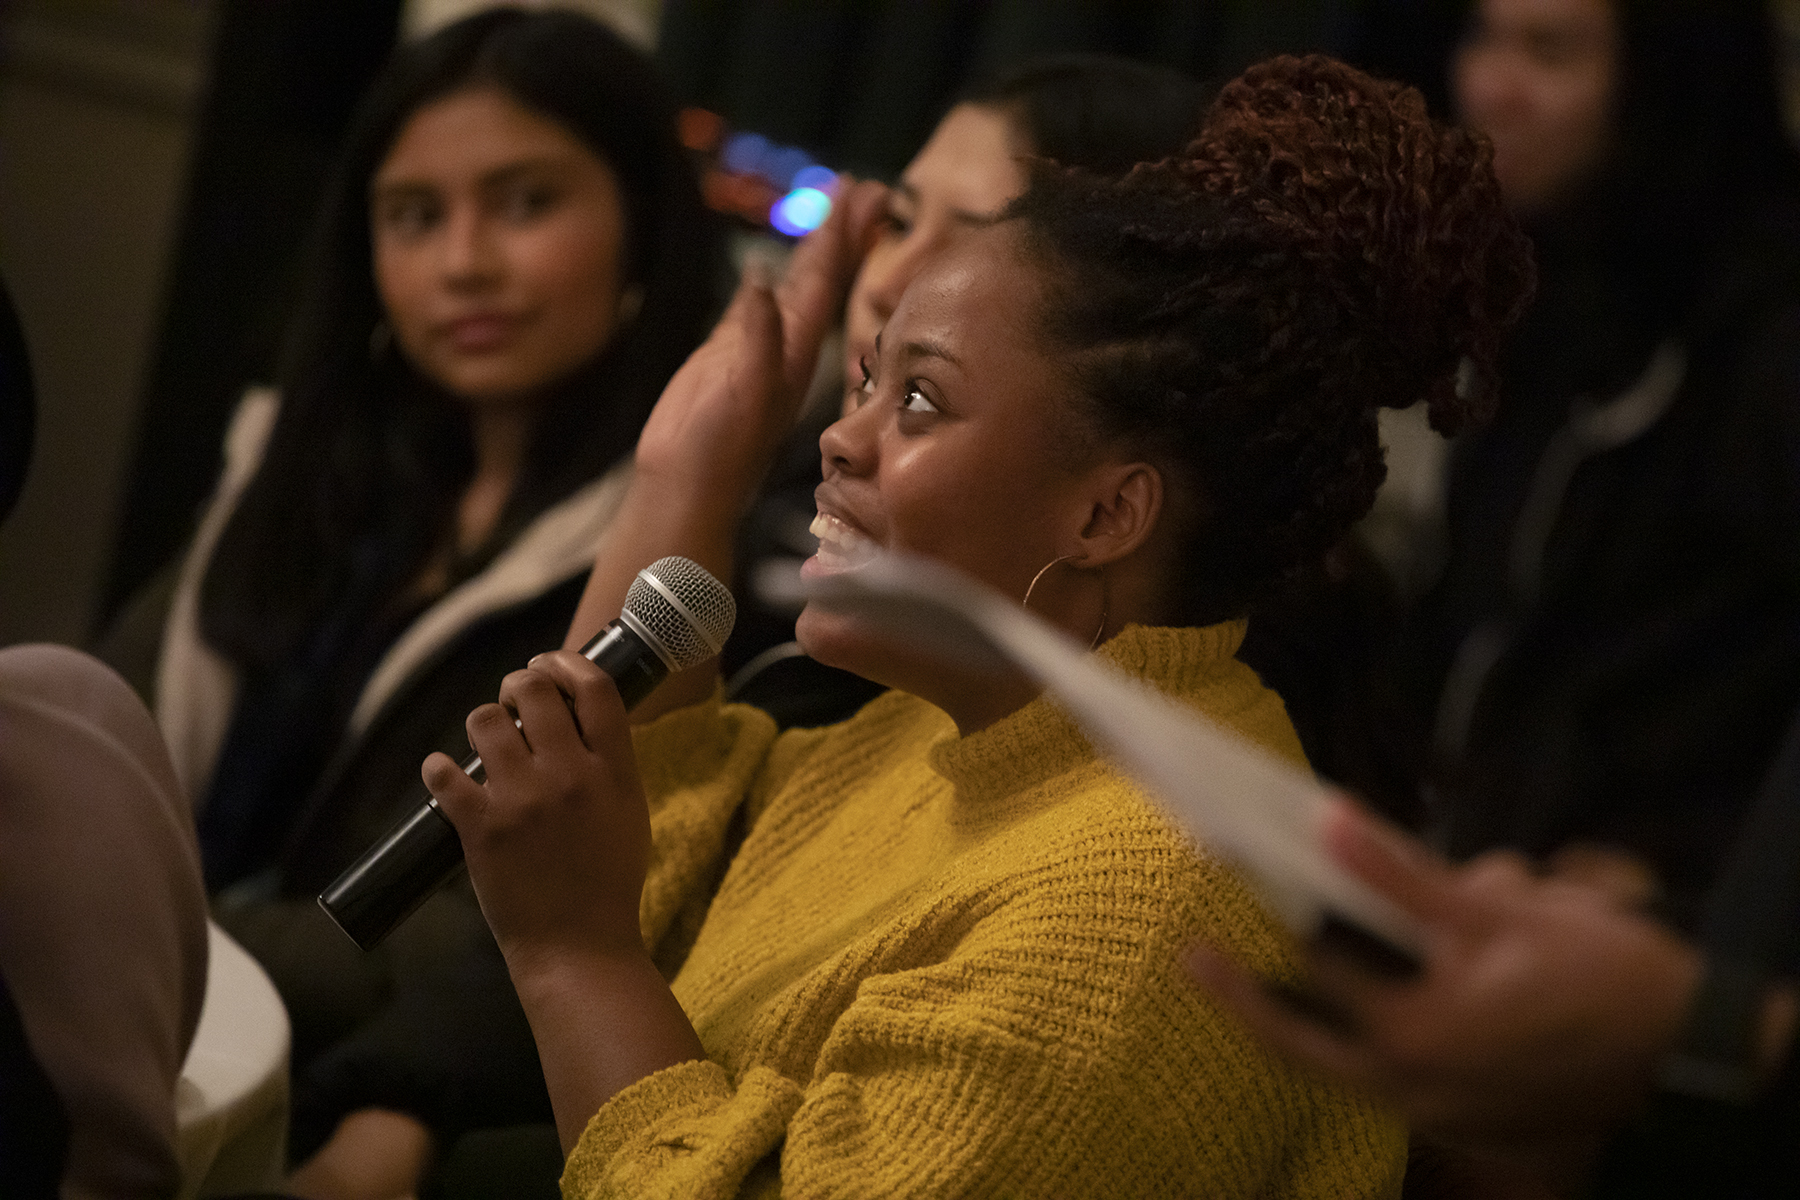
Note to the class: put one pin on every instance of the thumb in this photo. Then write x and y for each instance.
(819, 274)
(1394, 863)
(757, 319)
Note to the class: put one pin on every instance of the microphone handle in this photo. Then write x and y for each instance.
(419, 855)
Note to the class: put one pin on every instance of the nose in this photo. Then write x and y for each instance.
(848, 445)
(469, 258)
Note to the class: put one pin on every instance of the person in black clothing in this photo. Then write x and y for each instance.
(1556, 1032)
(1598, 675)
(511, 261)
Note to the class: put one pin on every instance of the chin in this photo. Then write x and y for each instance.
(826, 637)
(838, 640)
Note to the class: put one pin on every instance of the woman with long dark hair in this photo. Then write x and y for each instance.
(512, 259)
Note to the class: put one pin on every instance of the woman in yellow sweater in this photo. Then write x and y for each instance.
(941, 952)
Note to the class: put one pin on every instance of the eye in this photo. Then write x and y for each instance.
(408, 217)
(857, 393)
(913, 400)
(525, 202)
(895, 224)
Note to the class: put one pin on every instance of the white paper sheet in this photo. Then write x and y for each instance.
(1232, 797)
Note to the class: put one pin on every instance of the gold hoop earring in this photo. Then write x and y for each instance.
(1105, 604)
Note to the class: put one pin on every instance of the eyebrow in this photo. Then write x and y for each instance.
(494, 177)
(921, 349)
(962, 216)
(929, 349)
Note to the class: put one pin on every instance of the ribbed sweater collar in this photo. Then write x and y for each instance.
(1038, 742)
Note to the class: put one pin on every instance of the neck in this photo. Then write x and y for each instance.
(501, 436)
(983, 701)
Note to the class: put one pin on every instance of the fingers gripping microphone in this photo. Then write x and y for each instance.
(676, 616)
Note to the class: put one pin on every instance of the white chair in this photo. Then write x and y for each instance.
(231, 1104)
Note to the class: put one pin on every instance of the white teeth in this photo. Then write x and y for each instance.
(840, 546)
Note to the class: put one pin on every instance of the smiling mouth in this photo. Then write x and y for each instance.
(841, 548)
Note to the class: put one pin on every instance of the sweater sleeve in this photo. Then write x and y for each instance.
(703, 768)
(696, 764)
(1055, 1049)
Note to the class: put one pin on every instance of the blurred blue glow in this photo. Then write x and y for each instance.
(823, 179)
(782, 164)
(744, 152)
(800, 211)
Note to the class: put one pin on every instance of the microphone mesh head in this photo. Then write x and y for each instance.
(691, 636)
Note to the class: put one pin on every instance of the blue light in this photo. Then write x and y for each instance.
(823, 179)
(800, 211)
(744, 152)
(781, 165)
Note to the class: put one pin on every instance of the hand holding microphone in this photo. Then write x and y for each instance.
(676, 616)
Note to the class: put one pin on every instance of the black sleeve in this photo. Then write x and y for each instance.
(1708, 1131)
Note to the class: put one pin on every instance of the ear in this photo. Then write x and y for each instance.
(1125, 501)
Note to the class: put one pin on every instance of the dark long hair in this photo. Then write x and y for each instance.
(1099, 112)
(367, 458)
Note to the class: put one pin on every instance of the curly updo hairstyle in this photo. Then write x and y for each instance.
(1240, 313)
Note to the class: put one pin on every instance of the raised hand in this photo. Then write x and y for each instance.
(718, 424)
(724, 413)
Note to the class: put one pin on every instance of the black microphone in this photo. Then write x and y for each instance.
(676, 616)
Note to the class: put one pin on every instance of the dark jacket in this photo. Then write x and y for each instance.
(1615, 642)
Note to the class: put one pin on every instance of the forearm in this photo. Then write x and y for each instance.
(601, 1025)
(719, 422)
(657, 518)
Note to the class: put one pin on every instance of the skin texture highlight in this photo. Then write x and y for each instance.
(957, 449)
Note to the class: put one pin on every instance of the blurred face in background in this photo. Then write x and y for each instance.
(1539, 77)
(964, 176)
(498, 243)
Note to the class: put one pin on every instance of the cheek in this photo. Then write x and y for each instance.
(1494, 88)
(1578, 102)
(978, 510)
(573, 272)
(1470, 83)
(404, 286)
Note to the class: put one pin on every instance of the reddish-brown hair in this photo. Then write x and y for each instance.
(1322, 250)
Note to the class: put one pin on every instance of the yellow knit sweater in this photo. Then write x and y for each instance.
(944, 966)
